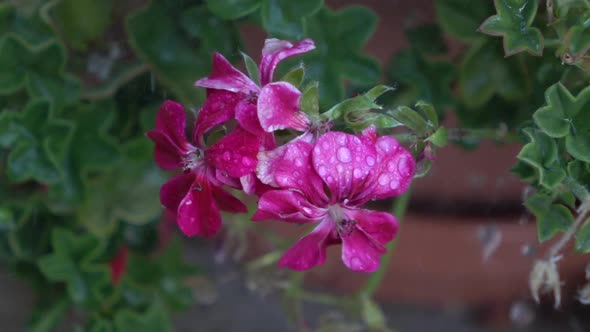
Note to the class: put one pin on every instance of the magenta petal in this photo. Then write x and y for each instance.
(227, 202)
(278, 108)
(344, 162)
(173, 191)
(287, 205)
(289, 167)
(166, 153)
(379, 226)
(198, 213)
(275, 51)
(392, 173)
(247, 117)
(360, 252)
(235, 153)
(219, 107)
(225, 77)
(310, 250)
(169, 136)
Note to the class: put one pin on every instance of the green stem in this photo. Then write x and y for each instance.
(399, 210)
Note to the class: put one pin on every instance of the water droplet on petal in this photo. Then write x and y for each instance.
(330, 178)
(357, 173)
(403, 166)
(344, 155)
(383, 179)
(339, 168)
(326, 145)
(391, 166)
(394, 184)
(227, 155)
(246, 161)
(370, 160)
(322, 171)
(356, 263)
(188, 202)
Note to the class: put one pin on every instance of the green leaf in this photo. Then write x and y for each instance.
(45, 319)
(362, 102)
(252, 68)
(513, 22)
(173, 51)
(578, 40)
(583, 238)
(421, 79)
(542, 154)
(27, 26)
(551, 218)
(82, 21)
(411, 119)
(563, 116)
(38, 141)
(295, 76)
(485, 72)
(232, 9)
(426, 39)
(340, 37)
(439, 138)
(155, 319)
(310, 100)
(461, 18)
(284, 18)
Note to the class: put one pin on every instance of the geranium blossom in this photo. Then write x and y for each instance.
(354, 169)
(196, 196)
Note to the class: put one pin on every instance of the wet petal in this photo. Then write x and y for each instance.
(360, 252)
(251, 185)
(310, 250)
(198, 213)
(343, 161)
(235, 153)
(392, 173)
(379, 226)
(275, 51)
(173, 191)
(225, 77)
(227, 202)
(247, 117)
(278, 108)
(219, 107)
(287, 205)
(289, 167)
(169, 136)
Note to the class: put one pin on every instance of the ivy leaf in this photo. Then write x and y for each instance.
(82, 21)
(176, 51)
(284, 18)
(421, 79)
(461, 18)
(362, 102)
(37, 142)
(30, 28)
(74, 262)
(232, 9)
(154, 319)
(339, 37)
(551, 218)
(41, 70)
(542, 154)
(563, 116)
(160, 278)
(426, 39)
(485, 72)
(513, 22)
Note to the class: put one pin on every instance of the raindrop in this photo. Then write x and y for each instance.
(322, 171)
(383, 179)
(344, 155)
(227, 155)
(370, 160)
(357, 173)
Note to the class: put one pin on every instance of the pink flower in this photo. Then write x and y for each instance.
(118, 265)
(196, 196)
(354, 169)
(258, 109)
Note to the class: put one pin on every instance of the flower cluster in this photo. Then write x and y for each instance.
(321, 176)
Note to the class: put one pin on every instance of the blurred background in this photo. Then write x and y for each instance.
(465, 248)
